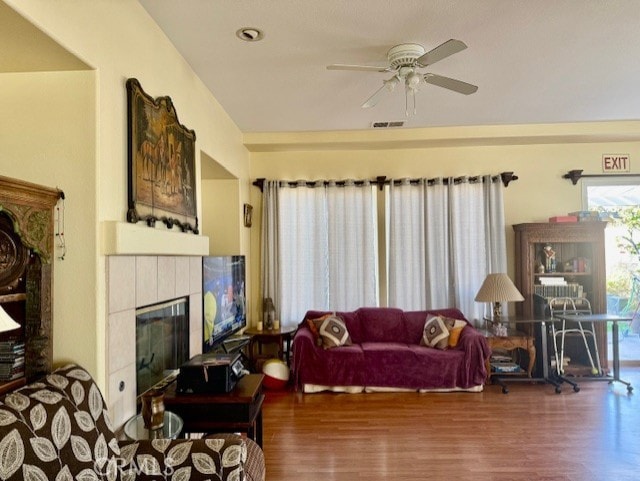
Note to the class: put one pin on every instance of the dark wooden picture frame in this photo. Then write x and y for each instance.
(248, 214)
(161, 161)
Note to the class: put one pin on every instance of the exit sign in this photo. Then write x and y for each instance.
(616, 163)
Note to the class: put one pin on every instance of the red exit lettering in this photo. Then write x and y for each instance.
(616, 163)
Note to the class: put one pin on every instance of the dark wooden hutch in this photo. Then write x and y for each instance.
(580, 260)
(26, 271)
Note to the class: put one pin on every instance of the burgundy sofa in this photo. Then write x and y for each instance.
(386, 354)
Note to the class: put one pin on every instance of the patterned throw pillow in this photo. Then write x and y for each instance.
(332, 331)
(313, 327)
(436, 331)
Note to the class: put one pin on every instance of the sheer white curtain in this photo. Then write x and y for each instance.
(324, 238)
(444, 238)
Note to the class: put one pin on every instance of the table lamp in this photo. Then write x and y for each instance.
(6, 322)
(498, 288)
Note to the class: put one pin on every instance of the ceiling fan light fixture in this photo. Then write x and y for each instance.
(391, 83)
(413, 80)
(250, 34)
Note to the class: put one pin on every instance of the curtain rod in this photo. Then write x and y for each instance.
(382, 180)
(576, 175)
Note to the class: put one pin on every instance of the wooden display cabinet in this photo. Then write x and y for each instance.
(579, 259)
(26, 249)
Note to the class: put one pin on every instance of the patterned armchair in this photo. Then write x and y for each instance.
(58, 429)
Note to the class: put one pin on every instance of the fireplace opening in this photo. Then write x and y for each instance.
(162, 342)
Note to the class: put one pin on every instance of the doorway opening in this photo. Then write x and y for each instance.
(619, 201)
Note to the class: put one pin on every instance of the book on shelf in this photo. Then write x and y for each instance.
(12, 376)
(497, 357)
(586, 215)
(563, 218)
(552, 281)
(571, 289)
(505, 367)
(11, 359)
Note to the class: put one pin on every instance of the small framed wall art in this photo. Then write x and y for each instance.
(248, 213)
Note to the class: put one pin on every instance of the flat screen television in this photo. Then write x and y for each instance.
(223, 298)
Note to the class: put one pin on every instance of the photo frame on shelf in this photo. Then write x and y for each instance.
(161, 162)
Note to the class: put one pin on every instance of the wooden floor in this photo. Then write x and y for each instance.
(529, 434)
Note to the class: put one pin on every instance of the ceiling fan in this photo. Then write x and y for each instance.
(405, 61)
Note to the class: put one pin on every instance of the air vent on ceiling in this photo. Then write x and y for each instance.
(387, 125)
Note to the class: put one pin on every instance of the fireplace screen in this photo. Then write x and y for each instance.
(162, 341)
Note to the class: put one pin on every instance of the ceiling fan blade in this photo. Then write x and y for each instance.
(450, 83)
(375, 98)
(441, 51)
(363, 68)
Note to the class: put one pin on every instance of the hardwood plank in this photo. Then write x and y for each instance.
(529, 434)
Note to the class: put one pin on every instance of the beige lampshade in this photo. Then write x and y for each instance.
(6, 323)
(498, 288)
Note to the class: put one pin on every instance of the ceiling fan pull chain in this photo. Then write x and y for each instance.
(406, 101)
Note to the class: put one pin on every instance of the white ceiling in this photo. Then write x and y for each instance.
(536, 61)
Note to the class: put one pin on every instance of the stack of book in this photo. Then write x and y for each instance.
(557, 287)
(586, 215)
(503, 363)
(11, 360)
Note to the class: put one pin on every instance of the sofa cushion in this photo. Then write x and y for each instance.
(455, 331)
(436, 331)
(56, 426)
(332, 331)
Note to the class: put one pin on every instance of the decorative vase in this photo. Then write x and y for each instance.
(153, 409)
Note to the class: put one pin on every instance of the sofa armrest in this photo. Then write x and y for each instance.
(189, 459)
(477, 351)
(304, 348)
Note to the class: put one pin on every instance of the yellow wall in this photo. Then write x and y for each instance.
(49, 139)
(539, 193)
(70, 131)
(119, 40)
(221, 216)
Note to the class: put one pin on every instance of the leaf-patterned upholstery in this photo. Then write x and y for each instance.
(58, 428)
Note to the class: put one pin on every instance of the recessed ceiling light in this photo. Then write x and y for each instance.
(250, 34)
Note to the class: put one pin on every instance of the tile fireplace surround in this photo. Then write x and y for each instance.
(137, 281)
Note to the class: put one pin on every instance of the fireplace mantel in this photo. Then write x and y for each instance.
(123, 238)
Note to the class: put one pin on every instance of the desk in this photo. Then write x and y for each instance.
(616, 348)
(280, 337)
(237, 411)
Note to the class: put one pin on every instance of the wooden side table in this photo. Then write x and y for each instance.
(281, 336)
(237, 411)
(512, 341)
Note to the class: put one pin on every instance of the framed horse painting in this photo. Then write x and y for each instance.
(161, 162)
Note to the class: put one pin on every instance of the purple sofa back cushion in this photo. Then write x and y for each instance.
(380, 324)
(386, 324)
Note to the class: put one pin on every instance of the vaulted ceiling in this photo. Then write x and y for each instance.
(541, 61)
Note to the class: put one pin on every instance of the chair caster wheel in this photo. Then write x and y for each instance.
(576, 389)
(558, 390)
(629, 389)
(505, 390)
